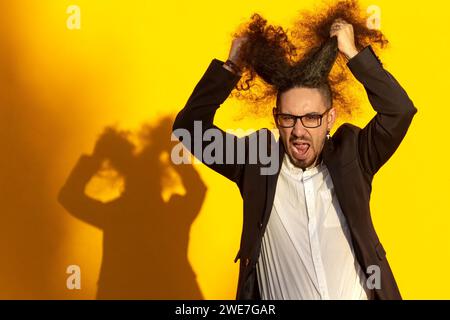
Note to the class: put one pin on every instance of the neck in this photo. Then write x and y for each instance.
(316, 162)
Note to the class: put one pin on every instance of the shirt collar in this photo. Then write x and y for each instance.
(291, 169)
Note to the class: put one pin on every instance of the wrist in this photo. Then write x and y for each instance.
(232, 66)
(351, 53)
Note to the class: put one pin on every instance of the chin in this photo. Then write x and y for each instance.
(301, 163)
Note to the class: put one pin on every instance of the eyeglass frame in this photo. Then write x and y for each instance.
(299, 117)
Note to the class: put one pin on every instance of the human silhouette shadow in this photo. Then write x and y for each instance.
(145, 240)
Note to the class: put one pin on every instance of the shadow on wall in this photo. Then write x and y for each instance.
(145, 239)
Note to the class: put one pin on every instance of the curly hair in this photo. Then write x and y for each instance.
(275, 60)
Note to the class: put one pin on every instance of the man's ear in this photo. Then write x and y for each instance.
(274, 111)
(331, 118)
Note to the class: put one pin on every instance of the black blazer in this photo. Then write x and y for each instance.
(352, 155)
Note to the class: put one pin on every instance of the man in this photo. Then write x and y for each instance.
(307, 230)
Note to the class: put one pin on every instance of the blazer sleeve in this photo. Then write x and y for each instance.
(379, 139)
(197, 117)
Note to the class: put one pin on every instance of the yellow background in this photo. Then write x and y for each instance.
(135, 61)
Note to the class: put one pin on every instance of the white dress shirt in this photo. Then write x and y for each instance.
(306, 250)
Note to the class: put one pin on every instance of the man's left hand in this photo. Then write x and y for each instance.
(345, 36)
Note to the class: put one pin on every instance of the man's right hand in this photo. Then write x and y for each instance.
(235, 52)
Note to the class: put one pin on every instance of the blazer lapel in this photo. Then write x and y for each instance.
(271, 184)
(329, 158)
(327, 151)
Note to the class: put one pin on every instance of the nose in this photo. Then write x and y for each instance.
(299, 130)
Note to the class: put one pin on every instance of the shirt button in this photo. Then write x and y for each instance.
(247, 261)
(260, 225)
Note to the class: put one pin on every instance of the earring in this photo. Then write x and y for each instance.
(328, 135)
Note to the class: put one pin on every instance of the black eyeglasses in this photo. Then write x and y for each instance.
(310, 120)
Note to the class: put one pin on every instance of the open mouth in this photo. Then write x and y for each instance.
(300, 149)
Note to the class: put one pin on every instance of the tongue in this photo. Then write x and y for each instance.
(302, 148)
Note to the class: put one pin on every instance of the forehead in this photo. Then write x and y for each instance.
(300, 101)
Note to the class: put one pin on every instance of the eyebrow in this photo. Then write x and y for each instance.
(314, 113)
